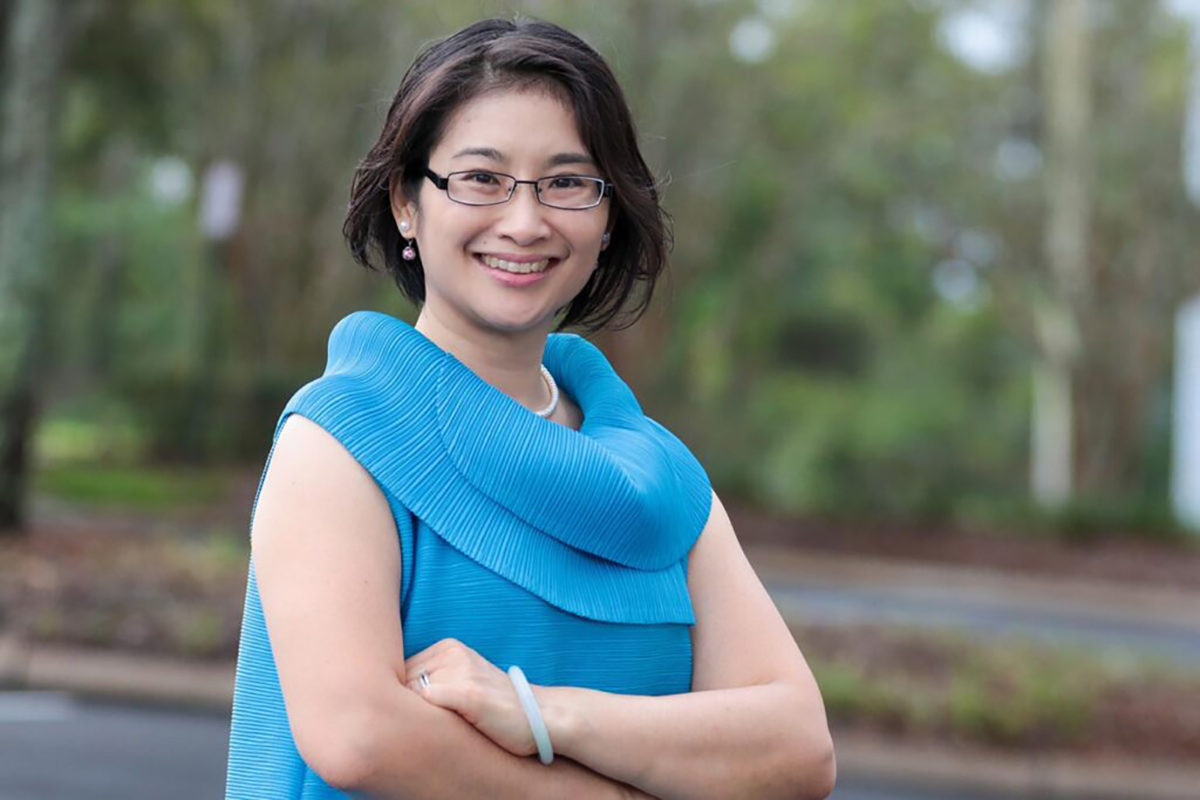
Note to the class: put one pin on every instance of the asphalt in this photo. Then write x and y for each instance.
(54, 745)
(122, 751)
(807, 587)
(1106, 618)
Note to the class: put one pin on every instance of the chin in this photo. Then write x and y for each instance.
(517, 323)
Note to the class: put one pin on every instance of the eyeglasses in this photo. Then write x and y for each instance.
(481, 187)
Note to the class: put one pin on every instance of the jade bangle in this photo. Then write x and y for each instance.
(541, 736)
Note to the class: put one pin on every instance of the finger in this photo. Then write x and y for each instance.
(423, 660)
(416, 663)
(438, 646)
(442, 645)
(415, 683)
(444, 695)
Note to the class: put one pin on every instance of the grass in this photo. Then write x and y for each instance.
(1002, 692)
(141, 488)
(99, 464)
(66, 439)
(1084, 520)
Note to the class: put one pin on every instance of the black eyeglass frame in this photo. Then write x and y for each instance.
(443, 183)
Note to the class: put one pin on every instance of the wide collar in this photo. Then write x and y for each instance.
(597, 521)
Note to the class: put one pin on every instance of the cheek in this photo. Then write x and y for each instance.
(444, 237)
(581, 278)
(587, 235)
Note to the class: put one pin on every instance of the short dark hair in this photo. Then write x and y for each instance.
(502, 54)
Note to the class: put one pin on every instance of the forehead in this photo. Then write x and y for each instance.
(523, 126)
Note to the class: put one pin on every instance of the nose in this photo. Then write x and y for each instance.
(523, 218)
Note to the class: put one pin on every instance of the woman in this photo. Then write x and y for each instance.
(475, 493)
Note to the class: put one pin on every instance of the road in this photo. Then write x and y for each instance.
(52, 746)
(930, 606)
(56, 747)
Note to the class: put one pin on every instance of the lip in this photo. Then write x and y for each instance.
(515, 279)
(520, 258)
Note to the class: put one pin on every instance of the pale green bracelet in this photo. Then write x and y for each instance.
(541, 736)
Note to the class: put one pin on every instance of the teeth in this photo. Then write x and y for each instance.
(512, 266)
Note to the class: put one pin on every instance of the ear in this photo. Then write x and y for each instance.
(608, 227)
(404, 211)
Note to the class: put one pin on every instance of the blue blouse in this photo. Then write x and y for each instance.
(562, 551)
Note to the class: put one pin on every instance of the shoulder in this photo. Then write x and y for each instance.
(374, 362)
(307, 461)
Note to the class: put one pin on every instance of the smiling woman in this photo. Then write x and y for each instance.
(461, 503)
(476, 217)
(456, 86)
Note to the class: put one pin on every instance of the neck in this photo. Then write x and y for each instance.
(511, 362)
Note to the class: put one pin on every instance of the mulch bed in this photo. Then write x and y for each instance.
(137, 591)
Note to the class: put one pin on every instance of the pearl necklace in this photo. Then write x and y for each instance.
(553, 387)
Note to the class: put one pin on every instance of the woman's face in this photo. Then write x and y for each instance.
(527, 134)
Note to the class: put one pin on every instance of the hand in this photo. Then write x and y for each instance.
(465, 682)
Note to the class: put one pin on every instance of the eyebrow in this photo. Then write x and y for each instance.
(555, 160)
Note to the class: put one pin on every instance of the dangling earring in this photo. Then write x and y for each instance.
(408, 253)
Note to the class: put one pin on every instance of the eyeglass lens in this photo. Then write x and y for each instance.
(484, 188)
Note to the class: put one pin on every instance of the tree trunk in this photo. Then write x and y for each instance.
(33, 58)
(1068, 115)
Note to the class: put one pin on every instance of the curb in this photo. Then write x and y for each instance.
(116, 675)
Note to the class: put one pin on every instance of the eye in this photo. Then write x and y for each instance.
(566, 182)
(482, 178)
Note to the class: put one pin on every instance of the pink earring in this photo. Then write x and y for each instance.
(408, 253)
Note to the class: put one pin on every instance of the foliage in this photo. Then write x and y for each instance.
(1000, 692)
(847, 328)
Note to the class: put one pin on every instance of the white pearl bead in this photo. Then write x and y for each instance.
(553, 387)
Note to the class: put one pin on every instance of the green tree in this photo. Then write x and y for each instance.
(29, 97)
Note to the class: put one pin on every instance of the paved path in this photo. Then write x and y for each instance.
(831, 603)
(52, 747)
(1107, 618)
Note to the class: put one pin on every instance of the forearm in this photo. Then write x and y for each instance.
(421, 751)
(759, 741)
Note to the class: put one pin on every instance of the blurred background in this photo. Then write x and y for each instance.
(932, 324)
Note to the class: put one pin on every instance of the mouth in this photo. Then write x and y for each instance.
(516, 267)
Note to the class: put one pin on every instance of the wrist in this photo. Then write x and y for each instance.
(561, 716)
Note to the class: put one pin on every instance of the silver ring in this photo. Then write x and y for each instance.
(423, 679)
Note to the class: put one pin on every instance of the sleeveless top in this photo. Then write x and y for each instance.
(562, 551)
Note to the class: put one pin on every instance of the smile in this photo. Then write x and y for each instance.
(517, 267)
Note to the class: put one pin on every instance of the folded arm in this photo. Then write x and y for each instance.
(753, 725)
(756, 741)
(327, 561)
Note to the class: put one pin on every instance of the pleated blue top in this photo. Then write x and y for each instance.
(562, 551)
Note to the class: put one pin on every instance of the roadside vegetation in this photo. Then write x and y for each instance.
(155, 560)
(1004, 693)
